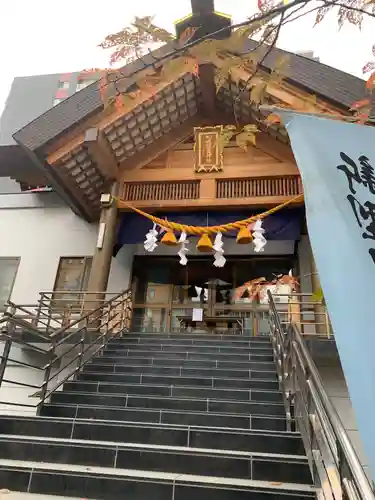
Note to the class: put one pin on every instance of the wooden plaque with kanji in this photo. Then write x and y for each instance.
(208, 149)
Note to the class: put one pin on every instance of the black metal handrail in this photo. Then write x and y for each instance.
(88, 335)
(334, 464)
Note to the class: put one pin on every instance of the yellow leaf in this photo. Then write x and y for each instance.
(144, 25)
(238, 37)
(251, 128)
(226, 135)
(178, 66)
(310, 102)
(258, 93)
(272, 119)
(245, 138)
(370, 84)
(220, 79)
(205, 51)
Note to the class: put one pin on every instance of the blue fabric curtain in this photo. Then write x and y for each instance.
(283, 225)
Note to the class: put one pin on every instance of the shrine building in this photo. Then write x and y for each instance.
(72, 175)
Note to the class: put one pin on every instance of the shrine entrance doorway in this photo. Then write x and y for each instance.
(164, 290)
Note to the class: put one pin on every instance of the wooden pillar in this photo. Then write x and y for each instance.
(101, 263)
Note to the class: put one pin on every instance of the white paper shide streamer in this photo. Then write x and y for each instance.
(220, 260)
(259, 240)
(184, 242)
(151, 241)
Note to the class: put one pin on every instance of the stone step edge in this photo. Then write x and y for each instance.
(180, 359)
(169, 410)
(147, 347)
(157, 425)
(165, 386)
(218, 452)
(17, 495)
(126, 353)
(194, 335)
(199, 368)
(152, 375)
(150, 476)
(151, 396)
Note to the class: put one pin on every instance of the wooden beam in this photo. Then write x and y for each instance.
(253, 170)
(208, 89)
(168, 141)
(273, 147)
(101, 152)
(174, 205)
(283, 91)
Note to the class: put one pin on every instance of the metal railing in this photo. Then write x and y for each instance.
(311, 316)
(333, 462)
(61, 351)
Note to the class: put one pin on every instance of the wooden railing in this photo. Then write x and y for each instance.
(144, 191)
(256, 187)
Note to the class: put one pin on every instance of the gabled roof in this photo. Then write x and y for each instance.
(335, 86)
(77, 173)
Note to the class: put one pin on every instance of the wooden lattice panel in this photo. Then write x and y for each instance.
(257, 187)
(154, 118)
(161, 191)
(83, 174)
(233, 97)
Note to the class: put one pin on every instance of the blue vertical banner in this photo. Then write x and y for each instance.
(336, 161)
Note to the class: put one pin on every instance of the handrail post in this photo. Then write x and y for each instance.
(47, 375)
(4, 358)
(81, 347)
(38, 311)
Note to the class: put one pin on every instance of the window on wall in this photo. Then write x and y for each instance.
(64, 85)
(72, 276)
(8, 271)
(81, 84)
(73, 273)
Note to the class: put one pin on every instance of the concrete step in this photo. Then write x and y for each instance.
(180, 370)
(165, 416)
(173, 391)
(160, 458)
(183, 381)
(110, 483)
(260, 441)
(206, 405)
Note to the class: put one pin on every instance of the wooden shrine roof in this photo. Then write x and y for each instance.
(61, 146)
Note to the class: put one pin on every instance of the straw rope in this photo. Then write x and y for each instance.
(199, 230)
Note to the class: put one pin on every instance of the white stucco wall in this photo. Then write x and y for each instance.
(40, 230)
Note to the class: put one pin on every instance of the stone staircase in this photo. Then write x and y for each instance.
(162, 417)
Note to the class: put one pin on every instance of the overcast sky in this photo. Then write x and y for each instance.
(44, 36)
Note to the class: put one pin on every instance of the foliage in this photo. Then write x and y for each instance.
(245, 69)
(244, 136)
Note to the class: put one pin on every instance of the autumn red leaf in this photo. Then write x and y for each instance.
(360, 104)
(362, 118)
(370, 84)
(187, 35)
(119, 102)
(370, 66)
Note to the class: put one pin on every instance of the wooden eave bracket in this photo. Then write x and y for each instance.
(101, 152)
